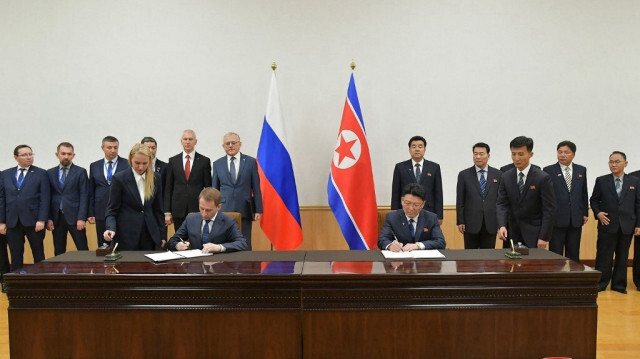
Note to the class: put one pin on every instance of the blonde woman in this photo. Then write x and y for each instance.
(135, 218)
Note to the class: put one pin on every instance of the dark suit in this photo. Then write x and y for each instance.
(69, 204)
(529, 216)
(5, 267)
(428, 230)
(180, 195)
(623, 214)
(572, 207)
(505, 168)
(21, 208)
(224, 231)
(430, 179)
(99, 193)
(244, 196)
(636, 250)
(161, 168)
(138, 226)
(475, 211)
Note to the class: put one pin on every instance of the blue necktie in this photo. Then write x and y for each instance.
(483, 183)
(63, 176)
(109, 171)
(413, 231)
(521, 182)
(618, 187)
(418, 172)
(21, 177)
(232, 170)
(205, 232)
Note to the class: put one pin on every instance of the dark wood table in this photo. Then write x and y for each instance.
(472, 304)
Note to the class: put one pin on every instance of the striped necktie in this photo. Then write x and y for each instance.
(567, 177)
(483, 183)
(521, 182)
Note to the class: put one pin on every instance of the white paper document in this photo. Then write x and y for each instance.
(168, 255)
(418, 254)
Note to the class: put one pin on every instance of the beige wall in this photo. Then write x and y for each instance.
(321, 231)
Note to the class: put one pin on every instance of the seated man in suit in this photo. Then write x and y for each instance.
(411, 227)
(526, 200)
(210, 230)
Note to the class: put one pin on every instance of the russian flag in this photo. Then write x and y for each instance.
(351, 193)
(280, 220)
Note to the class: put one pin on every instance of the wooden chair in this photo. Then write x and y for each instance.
(237, 216)
(382, 215)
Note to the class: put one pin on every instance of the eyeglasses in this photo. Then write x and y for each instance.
(413, 204)
(231, 143)
(617, 162)
(26, 155)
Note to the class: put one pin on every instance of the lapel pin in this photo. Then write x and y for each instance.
(559, 174)
(425, 230)
(532, 187)
(632, 187)
(429, 174)
(495, 180)
(580, 175)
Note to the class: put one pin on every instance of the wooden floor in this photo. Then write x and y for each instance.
(618, 319)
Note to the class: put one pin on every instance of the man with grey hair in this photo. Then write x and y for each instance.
(188, 173)
(235, 175)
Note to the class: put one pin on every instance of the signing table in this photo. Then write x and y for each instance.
(296, 304)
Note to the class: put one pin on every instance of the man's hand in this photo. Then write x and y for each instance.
(49, 225)
(211, 248)
(585, 220)
(182, 246)
(542, 244)
(440, 222)
(395, 246)
(39, 226)
(637, 233)
(410, 247)
(91, 220)
(461, 228)
(168, 220)
(3, 228)
(602, 216)
(80, 225)
(256, 216)
(108, 235)
(502, 233)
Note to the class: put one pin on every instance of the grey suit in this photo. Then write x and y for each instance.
(475, 211)
(244, 195)
(224, 231)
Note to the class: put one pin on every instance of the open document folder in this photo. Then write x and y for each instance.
(168, 255)
(419, 254)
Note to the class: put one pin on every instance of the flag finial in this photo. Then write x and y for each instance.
(353, 65)
(274, 66)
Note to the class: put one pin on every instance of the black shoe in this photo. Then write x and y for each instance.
(601, 288)
(620, 290)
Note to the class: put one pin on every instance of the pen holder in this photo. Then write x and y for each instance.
(112, 257)
(512, 254)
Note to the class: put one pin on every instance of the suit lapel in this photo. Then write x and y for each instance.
(625, 187)
(132, 187)
(404, 225)
(611, 185)
(14, 171)
(474, 177)
(243, 167)
(422, 221)
(412, 174)
(527, 183)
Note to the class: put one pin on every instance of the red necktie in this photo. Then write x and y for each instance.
(187, 168)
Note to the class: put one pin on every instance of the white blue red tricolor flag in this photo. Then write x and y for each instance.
(280, 220)
(351, 193)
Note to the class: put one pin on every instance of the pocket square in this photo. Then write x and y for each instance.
(532, 187)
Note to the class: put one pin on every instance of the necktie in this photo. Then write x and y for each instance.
(21, 177)
(483, 183)
(413, 230)
(618, 187)
(521, 182)
(232, 170)
(418, 173)
(205, 232)
(187, 168)
(109, 171)
(567, 178)
(63, 176)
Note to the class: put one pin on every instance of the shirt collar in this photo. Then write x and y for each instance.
(114, 161)
(478, 169)
(184, 154)
(414, 218)
(63, 167)
(563, 167)
(421, 163)
(26, 169)
(237, 157)
(137, 177)
(212, 218)
(621, 177)
(525, 171)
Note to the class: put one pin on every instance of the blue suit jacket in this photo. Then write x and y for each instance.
(244, 196)
(99, 187)
(572, 206)
(529, 216)
(126, 214)
(74, 195)
(428, 230)
(430, 179)
(223, 231)
(30, 203)
(623, 212)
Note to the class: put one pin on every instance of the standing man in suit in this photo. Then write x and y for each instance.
(421, 171)
(210, 230)
(187, 174)
(526, 201)
(615, 202)
(134, 215)
(100, 175)
(476, 196)
(24, 206)
(412, 227)
(572, 201)
(636, 250)
(236, 177)
(509, 166)
(69, 201)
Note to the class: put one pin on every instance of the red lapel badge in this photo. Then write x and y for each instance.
(429, 174)
(632, 187)
(580, 175)
(495, 180)
(425, 230)
(532, 187)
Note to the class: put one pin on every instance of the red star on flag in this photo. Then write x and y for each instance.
(344, 150)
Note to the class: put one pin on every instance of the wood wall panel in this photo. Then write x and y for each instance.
(321, 232)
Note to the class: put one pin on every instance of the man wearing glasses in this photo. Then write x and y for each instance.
(411, 227)
(24, 206)
(615, 202)
(236, 177)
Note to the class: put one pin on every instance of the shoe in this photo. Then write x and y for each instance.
(601, 288)
(620, 290)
